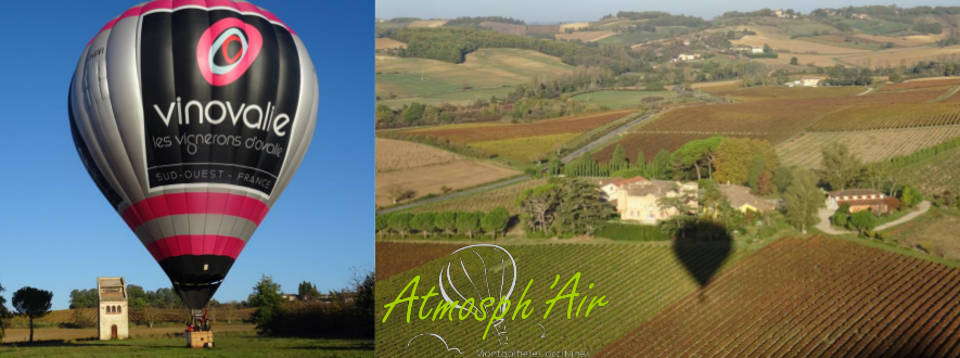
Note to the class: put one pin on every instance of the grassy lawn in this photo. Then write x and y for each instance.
(228, 345)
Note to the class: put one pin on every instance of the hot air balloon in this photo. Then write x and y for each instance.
(191, 116)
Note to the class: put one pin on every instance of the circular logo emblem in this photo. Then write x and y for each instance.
(226, 50)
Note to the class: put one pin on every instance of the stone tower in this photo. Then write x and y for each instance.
(113, 314)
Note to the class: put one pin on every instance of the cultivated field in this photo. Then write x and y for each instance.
(428, 23)
(398, 257)
(228, 344)
(405, 166)
(501, 197)
(484, 73)
(656, 279)
(897, 56)
(918, 83)
(868, 145)
(818, 297)
(384, 43)
(585, 36)
(778, 114)
(394, 155)
(783, 42)
(933, 175)
(624, 98)
(524, 142)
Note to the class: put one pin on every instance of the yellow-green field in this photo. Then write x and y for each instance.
(624, 98)
(525, 149)
(638, 280)
(228, 344)
(485, 73)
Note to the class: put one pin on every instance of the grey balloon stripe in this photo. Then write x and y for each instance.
(195, 224)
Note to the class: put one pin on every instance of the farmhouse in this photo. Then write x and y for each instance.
(805, 82)
(860, 199)
(756, 50)
(741, 199)
(638, 199)
(686, 57)
(113, 314)
(613, 188)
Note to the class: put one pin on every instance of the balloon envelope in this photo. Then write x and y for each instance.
(191, 117)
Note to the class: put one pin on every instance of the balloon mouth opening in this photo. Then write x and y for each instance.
(196, 278)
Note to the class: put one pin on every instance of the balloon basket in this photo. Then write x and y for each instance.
(202, 339)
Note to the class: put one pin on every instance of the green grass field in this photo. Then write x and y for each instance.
(623, 99)
(485, 73)
(639, 280)
(228, 345)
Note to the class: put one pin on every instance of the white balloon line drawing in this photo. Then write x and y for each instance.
(498, 324)
(445, 345)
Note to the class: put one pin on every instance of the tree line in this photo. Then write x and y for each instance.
(448, 223)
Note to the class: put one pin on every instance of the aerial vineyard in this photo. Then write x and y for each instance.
(484, 201)
(818, 297)
(651, 142)
(889, 116)
(639, 281)
(921, 83)
(934, 174)
(868, 145)
(500, 131)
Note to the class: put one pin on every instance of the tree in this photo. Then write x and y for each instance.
(782, 177)
(446, 221)
(468, 222)
(495, 221)
(582, 209)
(619, 158)
(641, 164)
(87, 298)
(32, 302)
(382, 222)
(676, 203)
(864, 221)
(660, 165)
(266, 298)
(307, 291)
(539, 204)
(400, 223)
(794, 61)
(909, 197)
(841, 217)
(841, 169)
(4, 313)
(398, 193)
(423, 222)
(697, 155)
(736, 157)
(802, 199)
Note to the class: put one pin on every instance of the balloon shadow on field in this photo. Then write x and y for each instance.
(702, 247)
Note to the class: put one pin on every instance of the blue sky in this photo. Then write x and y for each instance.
(58, 233)
(579, 10)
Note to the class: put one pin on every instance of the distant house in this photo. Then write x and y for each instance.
(861, 199)
(290, 296)
(741, 199)
(756, 50)
(860, 16)
(686, 57)
(805, 82)
(638, 199)
(741, 49)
